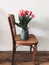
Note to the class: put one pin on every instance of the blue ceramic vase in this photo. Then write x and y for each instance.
(24, 34)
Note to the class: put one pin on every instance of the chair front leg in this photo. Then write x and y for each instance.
(34, 53)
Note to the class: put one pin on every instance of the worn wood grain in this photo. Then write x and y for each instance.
(23, 58)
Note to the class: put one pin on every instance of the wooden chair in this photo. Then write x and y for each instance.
(32, 41)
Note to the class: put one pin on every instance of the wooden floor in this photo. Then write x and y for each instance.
(24, 58)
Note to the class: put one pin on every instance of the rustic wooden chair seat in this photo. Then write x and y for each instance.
(32, 41)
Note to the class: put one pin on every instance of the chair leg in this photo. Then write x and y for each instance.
(30, 49)
(13, 55)
(34, 53)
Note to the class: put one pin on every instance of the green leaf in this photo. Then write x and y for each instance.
(18, 24)
(21, 20)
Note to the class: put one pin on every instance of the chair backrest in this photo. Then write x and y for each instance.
(11, 20)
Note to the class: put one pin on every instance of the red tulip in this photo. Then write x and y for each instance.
(32, 16)
(26, 12)
(30, 12)
(22, 13)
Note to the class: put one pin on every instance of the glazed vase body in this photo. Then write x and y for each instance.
(24, 34)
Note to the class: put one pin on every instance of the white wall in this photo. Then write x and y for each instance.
(38, 26)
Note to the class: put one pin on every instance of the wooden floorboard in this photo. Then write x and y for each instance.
(24, 58)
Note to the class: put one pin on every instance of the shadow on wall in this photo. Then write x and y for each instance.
(4, 32)
(41, 23)
(43, 44)
(41, 29)
(3, 18)
(2, 25)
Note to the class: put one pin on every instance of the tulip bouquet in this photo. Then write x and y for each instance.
(25, 17)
